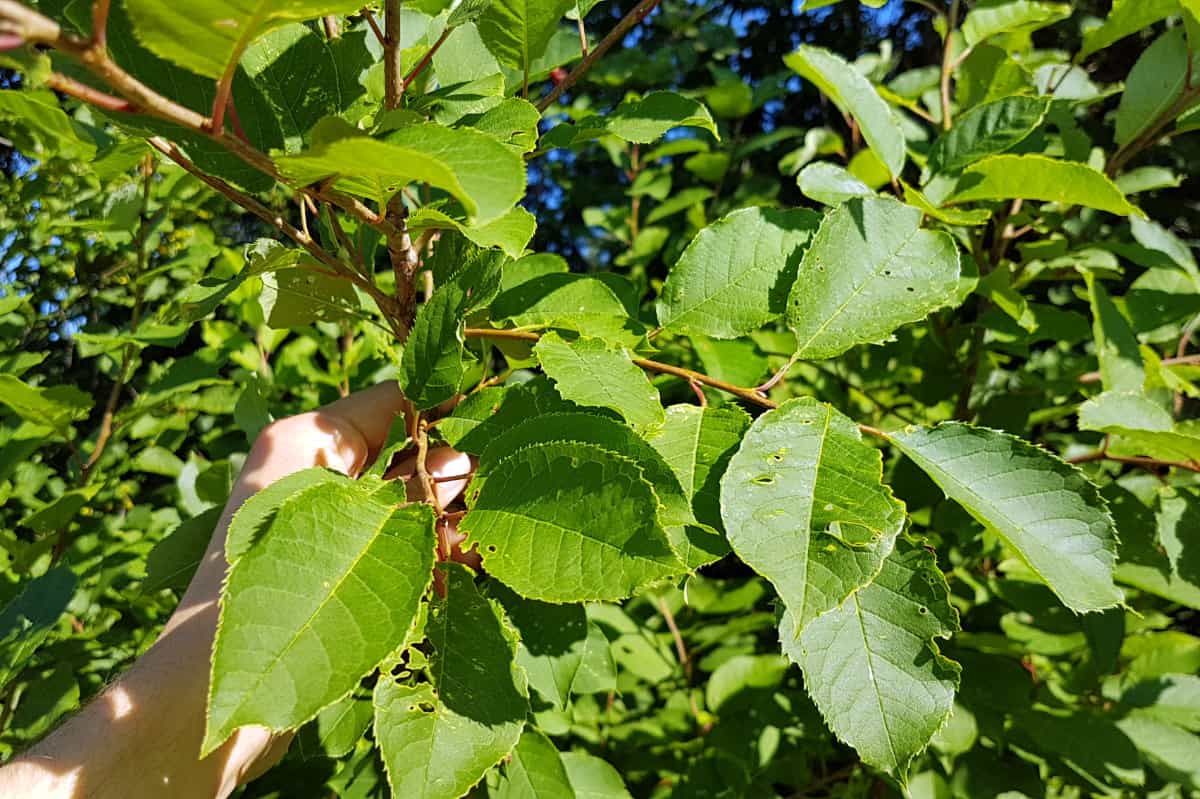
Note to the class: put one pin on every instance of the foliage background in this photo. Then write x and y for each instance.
(95, 242)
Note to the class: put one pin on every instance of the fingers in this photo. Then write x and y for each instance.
(370, 412)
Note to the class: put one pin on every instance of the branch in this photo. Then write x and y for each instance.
(369, 15)
(81, 91)
(385, 303)
(424, 62)
(25, 23)
(1185, 360)
(100, 23)
(1123, 155)
(631, 19)
(393, 84)
(1145, 463)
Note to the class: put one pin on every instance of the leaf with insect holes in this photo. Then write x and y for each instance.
(871, 268)
(804, 505)
(872, 666)
(439, 738)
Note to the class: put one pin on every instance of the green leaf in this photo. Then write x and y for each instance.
(480, 172)
(1144, 426)
(54, 133)
(536, 771)
(830, 184)
(989, 18)
(854, 95)
(698, 444)
(30, 617)
(175, 558)
(591, 372)
(1170, 751)
(298, 296)
(741, 673)
(554, 639)
(1126, 18)
(804, 506)
(1172, 699)
(869, 270)
(1036, 177)
(734, 276)
(1046, 511)
(568, 522)
(338, 728)
(306, 77)
(986, 130)
(329, 559)
(510, 233)
(1121, 367)
(951, 216)
(680, 201)
(57, 514)
(1153, 86)
(593, 778)
(590, 428)
(431, 369)
(649, 118)
(57, 406)
(480, 418)
(467, 11)
(872, 665)
(438, 739)
(210, 36)
(518, 31)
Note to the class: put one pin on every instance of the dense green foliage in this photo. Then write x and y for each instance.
(827, 370)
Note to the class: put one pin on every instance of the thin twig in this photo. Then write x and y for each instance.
(685, 662)
(333, 29)
(373, 24)
(425, 59)
(1185, 360)
(948, 64)
(100, 23)
(276, 221)
(1146, 463)
(81, 91)
(583, 42)
(631, 19)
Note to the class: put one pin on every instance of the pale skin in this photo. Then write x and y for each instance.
(141, 736)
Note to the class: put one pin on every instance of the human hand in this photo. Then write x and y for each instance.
(141, 736)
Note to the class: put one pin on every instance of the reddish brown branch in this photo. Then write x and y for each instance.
(639, 12)
(81, 91)
(100, 24)
(1189, 360)
(1145, 463)
(425, 60)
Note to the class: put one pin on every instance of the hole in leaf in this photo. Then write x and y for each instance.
(764, 480)
(909, 288)
(491, 548)
(426, 707)
(923, 610)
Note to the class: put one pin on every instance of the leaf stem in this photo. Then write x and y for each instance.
(100, 24)
(1146, 463)
(636, 15)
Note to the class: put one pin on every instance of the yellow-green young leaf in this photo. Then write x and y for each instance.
(951, 216)
(482, 174)
(986, 130)
(870, 269)
(989, 18)
(854, 95)
(1036, 177)
(510, 233)
(518, 31)
(535, 771)
(1143, 426)
(209, 36)
(873, 666)
(1046, 510)
(735, 274)
(331, 586)
(1126, 18)
(804, 505)
(641, 121)
(570, 522)
(1154, 84)
(304, 294)
(591, 372)
(1121, 365)
(438, 739)
(698, 443)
